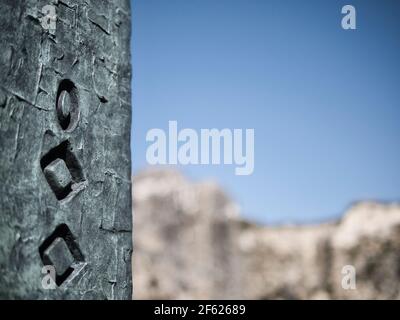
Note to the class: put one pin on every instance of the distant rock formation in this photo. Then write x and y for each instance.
(190, 243)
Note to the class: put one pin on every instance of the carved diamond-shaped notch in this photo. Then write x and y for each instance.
(59, 256)
(61, 251)
(62, 170)
(59, 178)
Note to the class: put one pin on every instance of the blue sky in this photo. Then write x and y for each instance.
(324, 102)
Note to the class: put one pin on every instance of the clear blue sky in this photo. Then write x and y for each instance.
(324, 102)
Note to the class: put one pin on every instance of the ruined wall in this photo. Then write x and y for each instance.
(65, 171)
(190, 243)
(185, 243)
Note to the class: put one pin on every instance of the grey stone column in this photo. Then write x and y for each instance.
(65, 168)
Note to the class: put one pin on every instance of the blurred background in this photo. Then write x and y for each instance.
(324, 104)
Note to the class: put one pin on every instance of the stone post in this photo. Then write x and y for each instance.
(65, 168)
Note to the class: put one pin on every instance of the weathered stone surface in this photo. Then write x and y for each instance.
(190, 243)
(368, 237)
(184, 245)
(65, 170)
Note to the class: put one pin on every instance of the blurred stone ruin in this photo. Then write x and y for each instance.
(191, 243)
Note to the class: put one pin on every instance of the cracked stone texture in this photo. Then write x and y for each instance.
(90, 48)
(191, 243)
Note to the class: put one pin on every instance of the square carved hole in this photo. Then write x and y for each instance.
(61, 251)
(62, 170)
